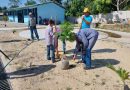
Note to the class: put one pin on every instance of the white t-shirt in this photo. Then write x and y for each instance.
(49, 35)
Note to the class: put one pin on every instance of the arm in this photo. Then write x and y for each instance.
(76, 50)
(28, 23)
(87, 22)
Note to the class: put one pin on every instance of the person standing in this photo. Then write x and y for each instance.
(32, 26)
(86, 19)
(85, 40)
(50, 41)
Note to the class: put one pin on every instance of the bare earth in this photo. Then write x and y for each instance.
(31, 71)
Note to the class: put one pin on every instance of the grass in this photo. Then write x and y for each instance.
(68, 88)
(122, 73)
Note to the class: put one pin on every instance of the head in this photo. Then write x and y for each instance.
(30, 14)
(86, 12)
(51, 22)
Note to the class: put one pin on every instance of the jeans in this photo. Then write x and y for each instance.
(87, 58)
(34, 30)
(86, 54)
(51, 52)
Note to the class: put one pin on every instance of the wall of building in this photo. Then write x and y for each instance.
(51, 10)
(112, 17)
(16, 18)
(13, 18)
(1, 18)
(26, 19)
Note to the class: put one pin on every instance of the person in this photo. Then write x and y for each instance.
(86, 19)
(85, 40)
(50, 41)
(57, 30)
(32, 26)
(40, 20)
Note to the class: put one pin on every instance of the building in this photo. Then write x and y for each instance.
(1, 16)
(45, 11)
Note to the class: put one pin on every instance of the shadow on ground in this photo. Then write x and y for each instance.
(12, 41)
(107, 50)
(29, 72)
(98, 63)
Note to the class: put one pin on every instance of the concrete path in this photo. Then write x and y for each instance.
(125, 37)
(20, 28)
(41, 32)
(27, 34)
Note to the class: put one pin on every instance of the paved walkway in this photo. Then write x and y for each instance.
(20, 28)
(41, 32)
(125, 37)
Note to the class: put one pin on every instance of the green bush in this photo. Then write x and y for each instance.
(5, 18)
(66, 32)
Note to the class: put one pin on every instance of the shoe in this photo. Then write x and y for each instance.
(53, 61)
(85, 67)
(88, 68)
(49, 58)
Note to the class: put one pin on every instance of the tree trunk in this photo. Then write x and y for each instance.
(118, 6)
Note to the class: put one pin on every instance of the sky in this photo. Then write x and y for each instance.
(6, 2)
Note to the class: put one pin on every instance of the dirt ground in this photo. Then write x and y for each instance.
(11, 24)
(31, 71)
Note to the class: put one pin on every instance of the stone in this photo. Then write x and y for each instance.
(64, 64)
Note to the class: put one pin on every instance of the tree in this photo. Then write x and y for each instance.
(30, 2)
(76, 7)
(4, 8)
(119, 3)
(14, 3)
(58, 1)
(43, 1)
(101, 6)
(0, 9)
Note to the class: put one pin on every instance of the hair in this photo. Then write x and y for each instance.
(51, 22)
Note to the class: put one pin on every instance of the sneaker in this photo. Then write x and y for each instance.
(53, 61)
(49, 58)
(88, 68)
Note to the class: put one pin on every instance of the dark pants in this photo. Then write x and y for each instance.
(51, 52)
(64, 46)
(34, 30)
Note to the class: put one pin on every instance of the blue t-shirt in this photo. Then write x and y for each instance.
(84, 25)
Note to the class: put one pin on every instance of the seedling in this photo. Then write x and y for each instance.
(122, 73)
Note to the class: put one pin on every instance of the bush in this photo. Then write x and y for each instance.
(66, 32)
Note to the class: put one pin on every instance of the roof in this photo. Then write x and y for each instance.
(33, 6)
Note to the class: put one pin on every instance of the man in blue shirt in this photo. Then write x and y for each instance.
(86, 19)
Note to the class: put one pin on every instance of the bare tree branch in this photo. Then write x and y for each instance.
(114, 4)
(122, 2)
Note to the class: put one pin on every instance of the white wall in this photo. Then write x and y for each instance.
(111, 17)
(51, 10)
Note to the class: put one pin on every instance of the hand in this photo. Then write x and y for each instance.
(74, 57)
(83, 17)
